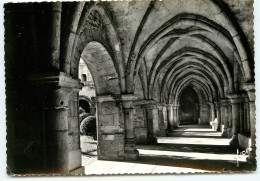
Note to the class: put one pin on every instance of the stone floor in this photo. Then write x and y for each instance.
(190, 149)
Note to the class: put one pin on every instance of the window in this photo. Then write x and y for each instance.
(83, 78)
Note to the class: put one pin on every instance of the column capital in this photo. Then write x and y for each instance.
(104, 98)
(211, 104)
(224, 102)
(139, 102)
(250, 88)
(175, 106)
(150, 104)
(125, 98)
(169, 106)
(217, 103)
(55, 80)
(234, 98)
(160, 105)
(245, 96)
(128, 97)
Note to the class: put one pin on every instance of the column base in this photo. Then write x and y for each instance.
(174, 125)
(251, 159)
(131, 155)
(224, 133)
(229, 132)
(170, 130)
(219, 128)
(152, 141)
(162, 132)
(77, 171)
(234, 141)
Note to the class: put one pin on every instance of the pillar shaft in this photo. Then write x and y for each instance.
(60, 113)
(235, 103)
(212, 111)
(170, 117)
(152, 121)
(165, 118)
(161, 120)
(218, 110)
(250, 88)
(175, 116)
(116, 140)
(224, 111)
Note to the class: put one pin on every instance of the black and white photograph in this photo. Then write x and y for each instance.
(130, 87)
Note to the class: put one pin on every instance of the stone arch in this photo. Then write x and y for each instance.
(192, 69)
(198, 88)
(102, 30)
(195, 66)
(183, 52)
(85, 104)
(190, 19)
(102, 69)
(207, 87)
(188, 106)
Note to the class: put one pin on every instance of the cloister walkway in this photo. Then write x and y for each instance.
(189, 149)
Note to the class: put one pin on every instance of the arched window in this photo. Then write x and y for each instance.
(83, 78)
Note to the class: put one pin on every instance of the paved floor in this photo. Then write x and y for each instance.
(190, 149)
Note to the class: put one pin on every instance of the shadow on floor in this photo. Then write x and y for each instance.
(215, 149)
(188, 162)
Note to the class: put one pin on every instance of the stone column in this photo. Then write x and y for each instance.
(212, 111)
(235, 103)
(115, 128)
(230, 123)
(131, 153)
(161, 119)
(59, 114)
(152, 121)
(246, 114)
(224, 111)
(217, 105)
(110, 128)
(93, 109)
(165, 118)
(175, 116)
(140, 124)
(170, 117)
(250, 88)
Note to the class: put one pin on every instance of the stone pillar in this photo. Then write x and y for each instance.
(152, 121)
(235, 103)
(165, 118)
(93, 109)
(246, 114)
(115, 128)
(204, 114)
(131, 153)
(61, 117)
(217, 105)
(175, 116)
(140, 123)
(212, 111)
(161, 120)
(230, 124)
(224, 111)
(170, 117)
(250, 88)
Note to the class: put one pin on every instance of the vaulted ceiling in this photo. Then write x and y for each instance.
(162, 47)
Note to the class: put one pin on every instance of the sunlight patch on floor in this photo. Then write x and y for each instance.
(194, 155)
(193, 141)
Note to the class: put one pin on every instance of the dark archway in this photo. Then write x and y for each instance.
(84, 105)
(189, 107)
